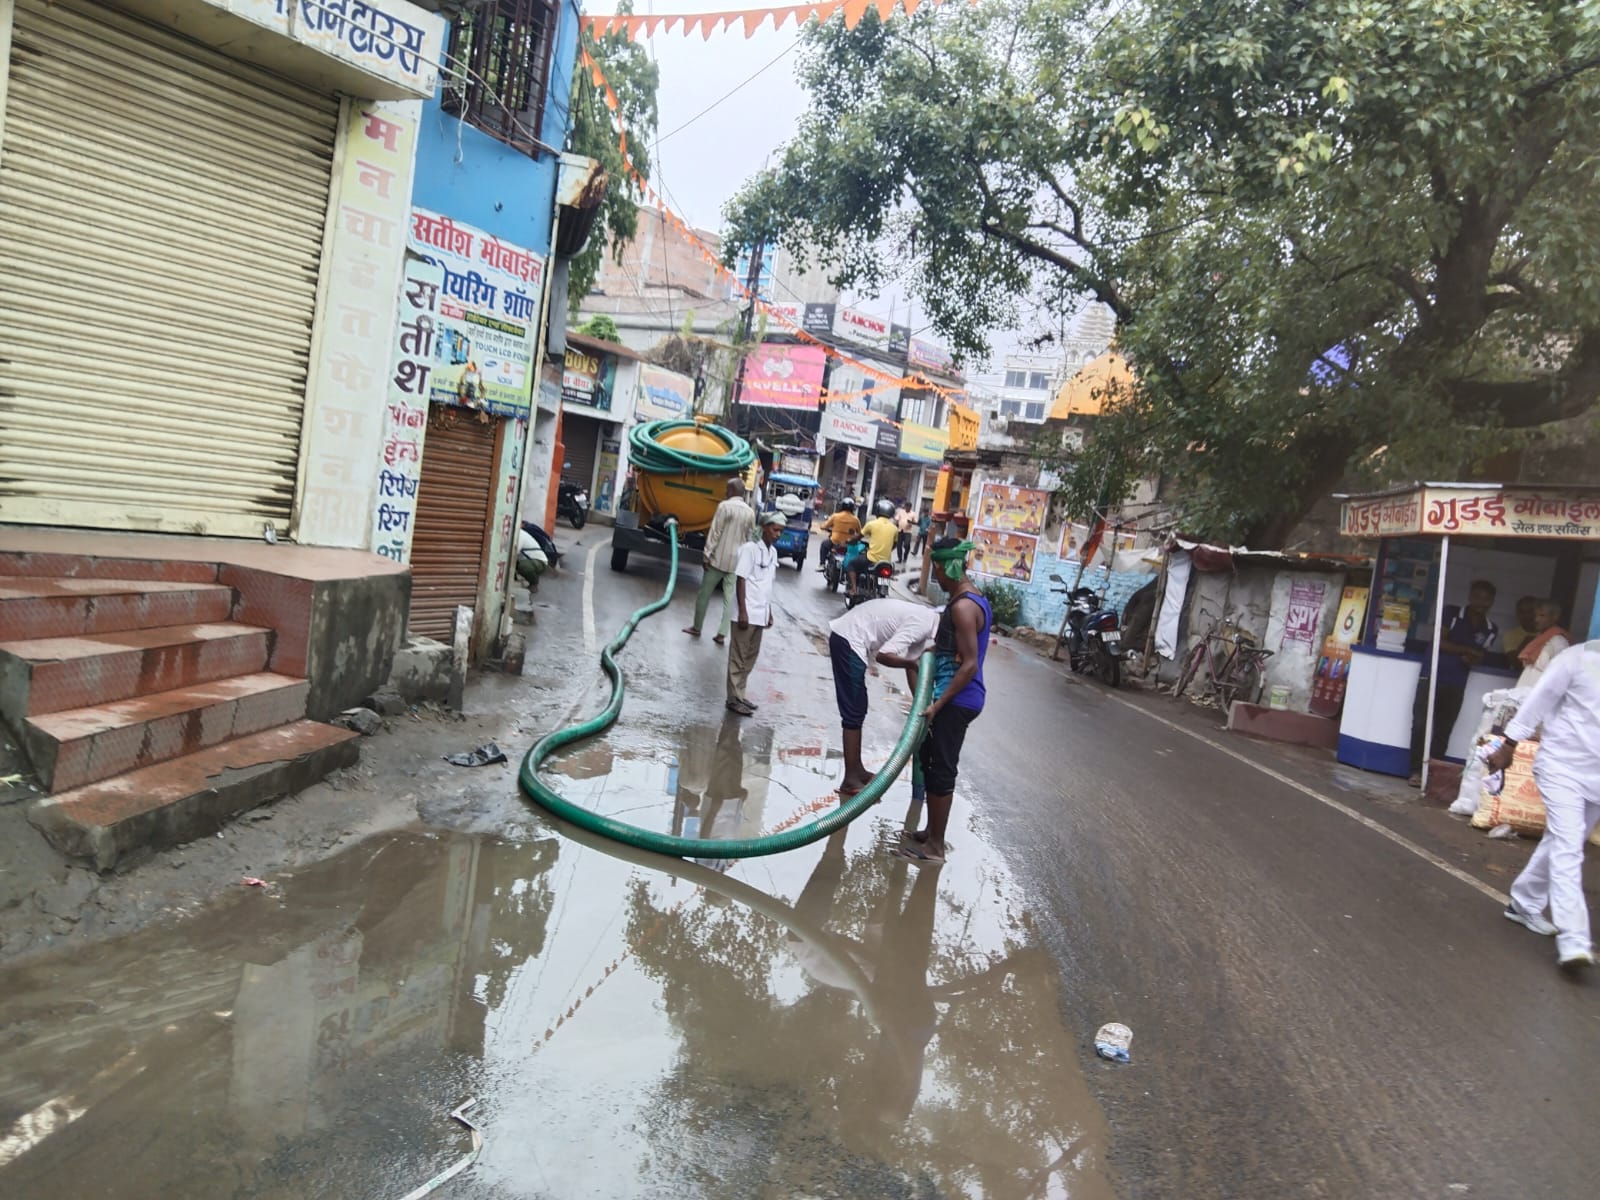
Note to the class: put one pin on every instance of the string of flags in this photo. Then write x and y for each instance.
(750, 19)
(775, 316)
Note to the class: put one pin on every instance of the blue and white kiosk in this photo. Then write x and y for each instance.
(1435, 540)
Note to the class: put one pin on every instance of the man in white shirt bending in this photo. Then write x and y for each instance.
(894, 633)
(1566, 701)
(758, 564)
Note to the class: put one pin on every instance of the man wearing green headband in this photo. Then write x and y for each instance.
(959, 649)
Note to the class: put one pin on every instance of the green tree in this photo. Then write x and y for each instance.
(1345, 240)
(601, 326)
(634, 78)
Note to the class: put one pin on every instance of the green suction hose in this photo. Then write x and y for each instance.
(680, 847)
(646, 452)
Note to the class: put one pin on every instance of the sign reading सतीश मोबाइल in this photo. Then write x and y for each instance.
(1012, 509)
(488, 305)
(1479, 512)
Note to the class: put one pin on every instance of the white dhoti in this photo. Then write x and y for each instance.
(1553, 878)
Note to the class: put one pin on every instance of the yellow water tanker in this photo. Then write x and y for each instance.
(681, 470)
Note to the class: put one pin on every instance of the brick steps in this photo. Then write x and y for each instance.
(51, 674)
(45, 608)
(83, 745)
(111, 821)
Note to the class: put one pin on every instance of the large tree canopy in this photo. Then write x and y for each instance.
(1341, 237)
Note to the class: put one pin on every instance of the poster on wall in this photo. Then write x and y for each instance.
(1074, 537)
(1013, 509)
(605, 488)
(588, 379)
(1001, 555)
(784, 376)
(663, 395)
(487, 308)
(1304, 613)
(1333, 667)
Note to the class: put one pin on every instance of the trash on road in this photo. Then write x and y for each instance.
(485, 755)
(1503, 832)
(1112, 1041)
(449, 1173)
(252, 881)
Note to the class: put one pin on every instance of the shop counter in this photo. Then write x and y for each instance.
(1480, 683)
(1375, 729)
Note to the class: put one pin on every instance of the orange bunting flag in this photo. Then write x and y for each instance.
(753, 19)
(854, 10)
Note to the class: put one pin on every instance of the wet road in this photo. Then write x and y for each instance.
(1317, 1010)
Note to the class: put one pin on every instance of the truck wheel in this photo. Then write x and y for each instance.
(619, 559)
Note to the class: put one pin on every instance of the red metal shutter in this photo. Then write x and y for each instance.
(452, 523)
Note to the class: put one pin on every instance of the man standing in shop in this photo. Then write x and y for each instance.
(733, 525)
(1467, 639)
(1566, 701)
(758, 564)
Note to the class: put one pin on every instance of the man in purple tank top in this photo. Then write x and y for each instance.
(958, 692)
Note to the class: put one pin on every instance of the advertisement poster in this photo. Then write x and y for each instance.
(605, 488)
(1003, 555)
(483, 352)
(923, 443)
(588, 379)
(784, 376)
(1075, 537)
(1013, 509)
(1304, 613)
(1333, 667)
(663, 395)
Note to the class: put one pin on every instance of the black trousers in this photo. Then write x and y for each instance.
(1446, 708)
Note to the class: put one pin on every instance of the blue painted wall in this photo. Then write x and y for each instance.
(469, 176)
(1044, 609)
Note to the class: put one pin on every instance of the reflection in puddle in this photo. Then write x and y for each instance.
(827, 1022)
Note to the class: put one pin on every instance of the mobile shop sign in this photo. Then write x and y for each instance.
(391, 39)
(850, 425)
(1478, 512)
(781, 376)
(487, 308)
(663, 395)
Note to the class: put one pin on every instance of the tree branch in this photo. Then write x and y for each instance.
(1102, 288)
(1525, 403)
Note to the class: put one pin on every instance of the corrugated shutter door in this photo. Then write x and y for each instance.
(452, 519)
(578, 444)
(161, 219)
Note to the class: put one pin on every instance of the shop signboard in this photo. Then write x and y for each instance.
(405, 418)
(923, 443)
(394, 40)
(1013, 509)
(783, 376)
(819, 319)
(851, 425)
(888, 440)
(1001, 555)
(1530, 512)
(487, 308)
(785, 318)
(852, 459)
(663, 395)
(853, 325)
(587, 378)
(930, 356)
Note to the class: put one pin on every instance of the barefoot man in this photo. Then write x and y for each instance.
(959, 648)
(893, 633)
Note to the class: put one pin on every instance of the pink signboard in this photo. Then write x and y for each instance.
(784, 376)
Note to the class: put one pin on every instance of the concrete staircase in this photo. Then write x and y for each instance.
(148, 712)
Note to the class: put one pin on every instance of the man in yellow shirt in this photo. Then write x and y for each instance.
(841, 529)
(880, 534)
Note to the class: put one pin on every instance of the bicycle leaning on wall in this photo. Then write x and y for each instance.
(1233, 664)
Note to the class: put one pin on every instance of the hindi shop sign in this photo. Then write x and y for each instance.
(663, 395)
(1476, 512)
(487, 310)
(850, 425)
(391, 39)
(405, 418)
(784, 376)
(923, 443)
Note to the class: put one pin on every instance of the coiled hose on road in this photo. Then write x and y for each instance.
(680, 847)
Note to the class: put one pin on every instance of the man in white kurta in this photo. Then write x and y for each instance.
(1566, 701)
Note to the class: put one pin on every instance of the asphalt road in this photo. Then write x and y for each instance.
(1324, 997)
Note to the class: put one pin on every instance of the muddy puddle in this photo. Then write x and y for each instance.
(830, 1022)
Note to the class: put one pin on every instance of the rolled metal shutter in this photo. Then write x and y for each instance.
(162, 210)
(578, 442)
(450, 534)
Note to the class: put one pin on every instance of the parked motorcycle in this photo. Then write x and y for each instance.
(572, 502)
(1094, 636)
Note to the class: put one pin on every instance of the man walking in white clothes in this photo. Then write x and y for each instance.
(758, 564)
(733, 525)
(1566, 701)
